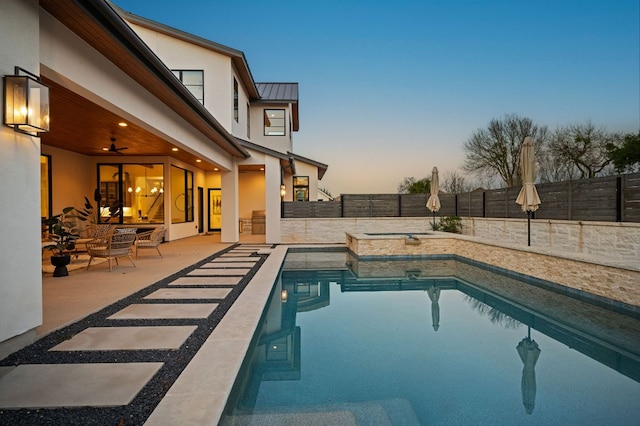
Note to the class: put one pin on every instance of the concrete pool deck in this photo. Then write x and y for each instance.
(200, 393)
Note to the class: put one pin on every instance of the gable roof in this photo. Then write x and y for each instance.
(281, 93)
(286, 160)
(237, 57)
(99, 25)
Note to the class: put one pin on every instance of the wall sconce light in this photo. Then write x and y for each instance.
(284, 295)
(26, 103)
(283, 191)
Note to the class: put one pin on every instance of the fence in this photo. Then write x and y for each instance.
(607, 199)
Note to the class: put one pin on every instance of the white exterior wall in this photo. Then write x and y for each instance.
(282, 144)
(239, 128)
(218, 75)
(21, 279)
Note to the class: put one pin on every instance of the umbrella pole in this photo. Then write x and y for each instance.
(529, 227)
(434, 218)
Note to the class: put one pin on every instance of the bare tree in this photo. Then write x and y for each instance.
(454, 183)
(554, 169)
(584, 147)
(495, 151)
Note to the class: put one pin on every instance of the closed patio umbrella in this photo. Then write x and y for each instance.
(433, 203)
(528, 197)
(529, 352)
(434, 295)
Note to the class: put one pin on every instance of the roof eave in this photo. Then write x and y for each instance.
(128, 52)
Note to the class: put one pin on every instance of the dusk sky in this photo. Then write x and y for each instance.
(390, 89)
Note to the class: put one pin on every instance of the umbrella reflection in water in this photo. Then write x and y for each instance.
(434, 296)
(529, 353)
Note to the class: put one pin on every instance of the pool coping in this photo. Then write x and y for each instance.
(200, 393)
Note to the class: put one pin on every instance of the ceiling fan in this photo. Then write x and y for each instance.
(113, 147)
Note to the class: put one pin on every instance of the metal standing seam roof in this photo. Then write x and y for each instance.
(278, 91)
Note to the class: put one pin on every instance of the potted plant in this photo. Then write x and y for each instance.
(94, 213)
(63, 234)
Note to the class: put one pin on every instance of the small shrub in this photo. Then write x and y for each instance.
(448, 224)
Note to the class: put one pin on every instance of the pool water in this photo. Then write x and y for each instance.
(433, 342)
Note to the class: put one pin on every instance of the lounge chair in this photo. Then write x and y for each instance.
(117, 243)
(150, 239)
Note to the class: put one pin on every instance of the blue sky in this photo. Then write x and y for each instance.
(390, 89)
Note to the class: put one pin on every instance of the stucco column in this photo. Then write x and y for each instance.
(20, 245)
(230, 232)
(272, 176)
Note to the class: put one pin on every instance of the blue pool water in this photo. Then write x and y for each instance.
(433, 342)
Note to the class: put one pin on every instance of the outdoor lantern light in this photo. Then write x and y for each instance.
(283, 191)
(284, 295)
(26, 103)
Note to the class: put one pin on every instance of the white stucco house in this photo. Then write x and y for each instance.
(167, 125)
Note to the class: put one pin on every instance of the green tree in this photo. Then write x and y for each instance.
(495, 151)
(626, 157)
(412, 186)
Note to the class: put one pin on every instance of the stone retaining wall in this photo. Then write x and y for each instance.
(619, 239)
(610, 239)
(606, 281)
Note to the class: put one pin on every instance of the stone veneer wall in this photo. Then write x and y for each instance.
(609, 282)
(610, 239)
(619, 239)
(331, 231)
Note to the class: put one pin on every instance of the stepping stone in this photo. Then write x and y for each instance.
(189, 293)
(206, 281)
(242, 258)
(165, 311)
(219, 272)
(228, 265)
(74, 385)
(127, 338)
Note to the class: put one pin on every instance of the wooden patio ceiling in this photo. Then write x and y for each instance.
(81, 126)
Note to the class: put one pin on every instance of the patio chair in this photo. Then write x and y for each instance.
(115, 244)
(150, 239)
(92, 232)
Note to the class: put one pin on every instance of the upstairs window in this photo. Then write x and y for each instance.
(235, 99)
(274, 122)
(248, 122)
(192, 80)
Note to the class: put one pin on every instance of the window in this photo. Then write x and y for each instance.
(301, 188)
(45, 185)
(137, 188)
(182, 195)
(274, 122)
(248, 122)
(235, 99)
(192, 80)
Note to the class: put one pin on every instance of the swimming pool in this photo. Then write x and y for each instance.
(432, 342)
